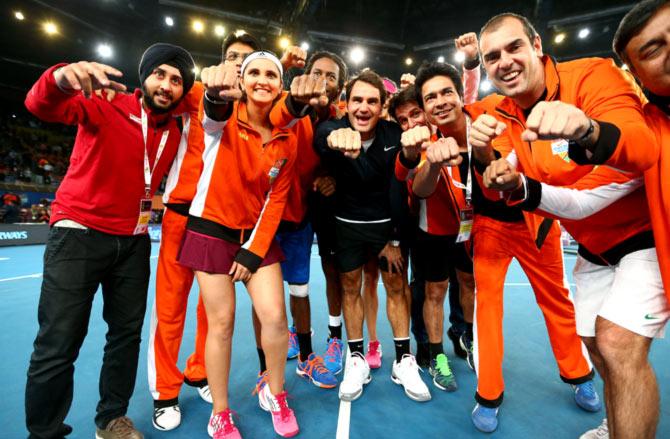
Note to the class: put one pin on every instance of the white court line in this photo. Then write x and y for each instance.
(4, 259)
(344, 414)
(27, 276)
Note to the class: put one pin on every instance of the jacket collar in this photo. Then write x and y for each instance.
(243, 120)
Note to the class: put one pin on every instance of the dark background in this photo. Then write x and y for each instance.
(389, 31)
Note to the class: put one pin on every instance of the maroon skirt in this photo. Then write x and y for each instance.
(215, 255)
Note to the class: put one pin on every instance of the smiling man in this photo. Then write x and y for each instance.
(99, 230)
(360, 151)
(556, 117)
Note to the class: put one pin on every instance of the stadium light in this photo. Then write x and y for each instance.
(459, 56)
(19, 15)
(357, 55)
(408, 61)
(304, 46)
(583, 33)
(219, 30)
(50, 28)
(284, 42)
(440, 58)
(485, 86)
(169, 21)
(559, 38)
(105, 51)
(198, 26)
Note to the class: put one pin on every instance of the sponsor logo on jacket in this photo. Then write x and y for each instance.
(274, 171)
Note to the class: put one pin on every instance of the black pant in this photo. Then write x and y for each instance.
(76, 263)
(417, 286)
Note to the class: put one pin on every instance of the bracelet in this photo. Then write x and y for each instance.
(588, 133)
(215, 101)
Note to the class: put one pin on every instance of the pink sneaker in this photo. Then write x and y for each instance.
(222, 427)
(283, 418)
(374, 355)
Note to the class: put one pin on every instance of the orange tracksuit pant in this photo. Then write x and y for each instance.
(495, 244)
(173, 284)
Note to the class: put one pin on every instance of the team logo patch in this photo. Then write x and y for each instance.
(560, 148)
(274, 171)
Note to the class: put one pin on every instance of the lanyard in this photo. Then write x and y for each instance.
(468, 182)
(148, 170)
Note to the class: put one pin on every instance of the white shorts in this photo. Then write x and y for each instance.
(629, 294)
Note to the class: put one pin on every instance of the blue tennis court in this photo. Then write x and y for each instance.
(537, 403)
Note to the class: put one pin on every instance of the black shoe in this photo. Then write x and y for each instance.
(422, 355)
(466, 344)
(455, 340)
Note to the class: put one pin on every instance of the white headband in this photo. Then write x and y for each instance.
(261, 54)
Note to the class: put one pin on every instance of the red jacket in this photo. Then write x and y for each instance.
(105, 181)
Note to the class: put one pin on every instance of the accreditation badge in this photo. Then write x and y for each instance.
(465, 228)
(144, 218)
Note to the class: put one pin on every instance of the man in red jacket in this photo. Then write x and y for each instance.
(99, 229)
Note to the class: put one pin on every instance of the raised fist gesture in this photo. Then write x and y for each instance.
(221, 82)
(501, 175)
(444, 151)
(406, 80)
(467, 43)
(414, 140)
(555, 120)
(87, 77)
(309, 90)
(294, 56)
(347, 141)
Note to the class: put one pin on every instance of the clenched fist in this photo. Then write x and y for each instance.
(309, 90)
(347, 141)
(406, 80)
(501, 175)
(221, 82)
(444, 151)
(414, 140)
(556, 120)
(293, 56)
(467, 43)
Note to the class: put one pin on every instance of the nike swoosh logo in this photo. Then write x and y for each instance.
(650, 317)
(388, 148)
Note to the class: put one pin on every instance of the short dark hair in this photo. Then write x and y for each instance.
(495, 22)
(429, 70)
(405, 96)
(632, 23)
(239, 37)
(370, 77)
(341, 78)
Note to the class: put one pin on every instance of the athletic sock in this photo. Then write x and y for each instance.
(261, 359)
(435, 349)
(356, 346)
(401, 347)
(335, 331)
(305, 344)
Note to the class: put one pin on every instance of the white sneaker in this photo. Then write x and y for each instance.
(204, 393)
(210, 427)
(166, 418)
(602, 432)
(356, 374)
(406, 374)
